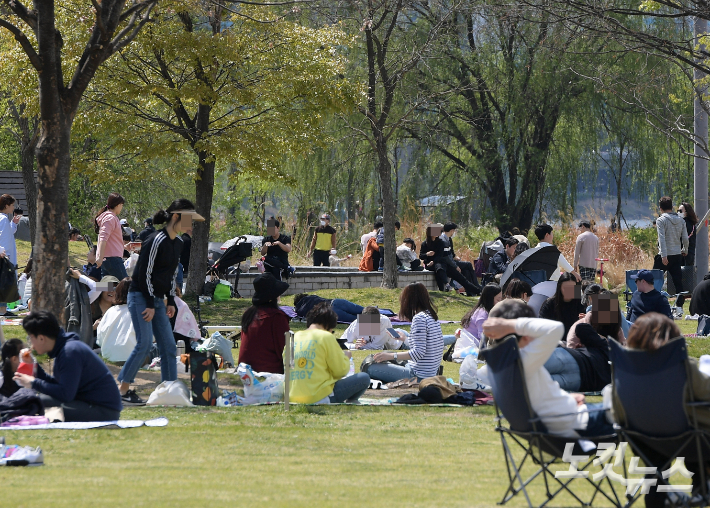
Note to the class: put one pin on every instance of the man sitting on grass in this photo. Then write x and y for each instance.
(82, 385)
(563, 413)
(646, 298)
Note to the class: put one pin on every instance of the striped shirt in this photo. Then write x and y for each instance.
(426, 345)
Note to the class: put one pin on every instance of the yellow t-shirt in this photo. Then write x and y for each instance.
(319, 363)
(324, 237)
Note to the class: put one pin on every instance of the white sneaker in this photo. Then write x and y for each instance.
(24, 456)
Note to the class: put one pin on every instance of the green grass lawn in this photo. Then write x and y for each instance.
(263, 456)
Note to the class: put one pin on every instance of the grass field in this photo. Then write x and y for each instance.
(263, 456)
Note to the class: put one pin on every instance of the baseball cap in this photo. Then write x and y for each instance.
(124, 222)
(646, 275)
(325, 216)
(149, 220)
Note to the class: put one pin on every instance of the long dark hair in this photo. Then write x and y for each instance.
(690, 213)
(11, 348)
(250, 314)
(414, 299)
(559, 299)
(114, 199)
(163, 216)
(488, 293)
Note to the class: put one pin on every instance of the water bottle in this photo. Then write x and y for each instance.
(352, 368)
(180, 347)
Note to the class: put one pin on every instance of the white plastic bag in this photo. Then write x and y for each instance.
(465, 341)
(170, 393)
(270, 389)
(467, 372)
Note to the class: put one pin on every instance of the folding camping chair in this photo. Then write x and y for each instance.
(631, 283)
(529, 433)
(651, 387)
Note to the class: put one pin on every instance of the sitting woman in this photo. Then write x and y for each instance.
(115, 334)
(426, 343)
(102, 299)
(264, 325)
(590, 294)
(320, 363)
(371, 332)
(518, 289)
(473, 320)
(10, 360)
(566, 305)
(586, 368)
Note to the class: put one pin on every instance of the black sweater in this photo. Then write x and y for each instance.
(567, 315)
(593, 359)
(156, 270)
(437, 246)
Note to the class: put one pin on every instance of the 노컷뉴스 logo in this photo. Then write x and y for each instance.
(607, 451)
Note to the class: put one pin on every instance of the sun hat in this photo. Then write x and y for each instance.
(267, 289)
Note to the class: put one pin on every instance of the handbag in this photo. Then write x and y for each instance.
(203, 378)
(703, 325)
(8, 281)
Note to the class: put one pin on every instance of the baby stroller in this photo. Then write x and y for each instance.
(237, 253)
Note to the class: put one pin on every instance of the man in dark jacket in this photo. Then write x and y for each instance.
(147, 231)
(647, 298)
(81, 385)
(499, 262)
(700, 304)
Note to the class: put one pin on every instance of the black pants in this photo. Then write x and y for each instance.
(446, 269)
(675, 262)
(416, 265)
(80, 411)
(276, 267)
(320, 258)
(468, 272)
(375, 259)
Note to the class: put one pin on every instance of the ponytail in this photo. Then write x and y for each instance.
(161, 217)
(97, 228)
(114, 199)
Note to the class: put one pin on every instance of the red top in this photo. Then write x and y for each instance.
(263, 343)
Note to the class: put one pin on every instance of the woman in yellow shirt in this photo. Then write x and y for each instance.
(320, 364)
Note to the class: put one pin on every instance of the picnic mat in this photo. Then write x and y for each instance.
(115, 424)
(291, 312)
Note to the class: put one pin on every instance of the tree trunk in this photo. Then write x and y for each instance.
(51, 245)
(389, 276)
(28, 178)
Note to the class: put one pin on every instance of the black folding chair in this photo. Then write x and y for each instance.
(652, 387)
(525, 428)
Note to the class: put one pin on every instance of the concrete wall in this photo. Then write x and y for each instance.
(306, 281)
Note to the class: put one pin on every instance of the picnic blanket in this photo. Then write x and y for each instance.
(291, 312)
(115, 424)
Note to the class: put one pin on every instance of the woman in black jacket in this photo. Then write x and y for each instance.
(691, 221)
(435, 259)
(154, 278)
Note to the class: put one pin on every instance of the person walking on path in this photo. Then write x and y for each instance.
(154, 279)
(586, 252)
(323, 242)
(8, 228)
(109, 251)
(686, 211)
(672, 242)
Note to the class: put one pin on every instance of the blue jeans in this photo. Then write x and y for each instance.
(597, 424)
(180, 274)
(349, 389)
(346, 310)
(114, 266)
(389, 372)
(159, 327)
(564, 369)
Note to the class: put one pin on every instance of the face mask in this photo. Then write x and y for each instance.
(322, 223)
(681, 214)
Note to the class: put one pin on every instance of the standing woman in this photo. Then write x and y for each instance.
(8, 228)
(109, 253)
(686, 211)
(426, 343)
(154, 279)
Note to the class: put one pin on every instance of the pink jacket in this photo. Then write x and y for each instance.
(110, 232)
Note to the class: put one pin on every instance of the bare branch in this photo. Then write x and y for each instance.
(25, 43)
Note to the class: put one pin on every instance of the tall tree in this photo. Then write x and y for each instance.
(214, 86)
(42, 32)
(509, 83)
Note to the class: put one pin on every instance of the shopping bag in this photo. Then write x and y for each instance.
(203, 378)
(222, 292)
(8, 281)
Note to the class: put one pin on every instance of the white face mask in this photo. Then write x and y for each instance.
(681, 214)
(322, 223)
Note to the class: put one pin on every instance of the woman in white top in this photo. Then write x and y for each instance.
(426, 343)
(363, 334)
(8, 228)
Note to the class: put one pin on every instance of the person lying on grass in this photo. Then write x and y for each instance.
(318, 376)
(82, 385)
(563, 413)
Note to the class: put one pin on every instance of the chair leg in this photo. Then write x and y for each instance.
(511, 488)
